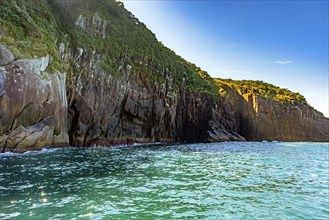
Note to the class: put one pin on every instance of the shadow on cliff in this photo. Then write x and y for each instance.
(265, 119)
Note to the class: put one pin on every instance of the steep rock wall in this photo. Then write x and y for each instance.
(114, 93)
(270, 120)
(104, 109)
(265, 119)
(33, 105)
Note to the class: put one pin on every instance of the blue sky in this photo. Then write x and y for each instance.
(281, 42)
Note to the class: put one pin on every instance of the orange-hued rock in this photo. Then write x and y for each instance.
(266, 119)
(270, 120)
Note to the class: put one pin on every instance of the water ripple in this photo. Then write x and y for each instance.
(202, 181)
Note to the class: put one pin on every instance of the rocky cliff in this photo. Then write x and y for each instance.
(90, 73)
(270, 113)
(103, 109)
(33, 105)
(106, 109)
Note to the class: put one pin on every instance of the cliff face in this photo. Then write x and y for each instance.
(102, 109)
(107, 110)
(269, 120)
(103, 78)
(33, 106)
(263, 118)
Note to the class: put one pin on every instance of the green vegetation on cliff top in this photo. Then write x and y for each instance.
(261, 88)
(34, 28)
(29, 29)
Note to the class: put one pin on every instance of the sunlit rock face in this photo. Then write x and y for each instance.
(270, 120)
(33, 106)
(95, 25)
(265, 119)
(6, 56)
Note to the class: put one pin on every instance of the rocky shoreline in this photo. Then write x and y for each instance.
(41, 109)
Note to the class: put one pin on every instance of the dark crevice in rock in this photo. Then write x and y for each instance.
(4, 146)
(85, 139)
(74, 123)
(25, 110)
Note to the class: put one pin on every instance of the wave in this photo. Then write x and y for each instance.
(42, 151)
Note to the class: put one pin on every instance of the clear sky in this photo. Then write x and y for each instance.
(281, 42)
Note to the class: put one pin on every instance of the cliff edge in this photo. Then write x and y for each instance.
(268, 112)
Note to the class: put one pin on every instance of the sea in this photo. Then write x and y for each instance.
(229, 180)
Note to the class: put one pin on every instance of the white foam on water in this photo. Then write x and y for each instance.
(3, 188)
(6, 154)
(9, 216)
(42, 151)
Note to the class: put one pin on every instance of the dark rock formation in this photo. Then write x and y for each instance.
(108, 110)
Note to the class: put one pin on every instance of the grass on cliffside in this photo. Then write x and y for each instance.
(29, 30)
(263, 89)
(34, 28)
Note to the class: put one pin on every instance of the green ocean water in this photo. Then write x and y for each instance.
(200, 181)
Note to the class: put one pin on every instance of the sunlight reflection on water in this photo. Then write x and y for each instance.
(220, 180)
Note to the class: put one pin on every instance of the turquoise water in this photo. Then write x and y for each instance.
(201, 181)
